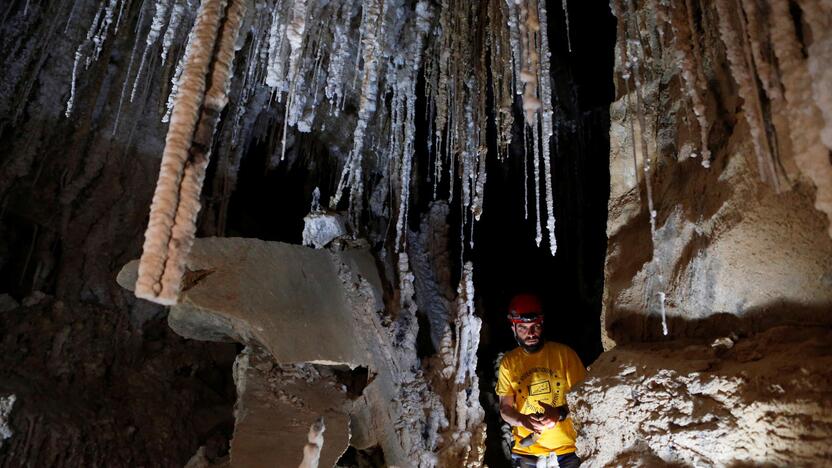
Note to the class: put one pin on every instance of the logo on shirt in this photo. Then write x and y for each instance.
(541, 387)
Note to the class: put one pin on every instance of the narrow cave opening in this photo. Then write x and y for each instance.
(506, 258)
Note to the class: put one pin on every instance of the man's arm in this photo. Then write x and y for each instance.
(515, 418)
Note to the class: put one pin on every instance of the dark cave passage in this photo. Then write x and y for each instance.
(506, 259)
(270, 202)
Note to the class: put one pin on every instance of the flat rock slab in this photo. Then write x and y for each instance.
(286, 298)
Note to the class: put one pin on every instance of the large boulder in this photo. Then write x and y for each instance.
(762, 399)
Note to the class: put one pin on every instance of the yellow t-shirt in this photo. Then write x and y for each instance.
(544, 376)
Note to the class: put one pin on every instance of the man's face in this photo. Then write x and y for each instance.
(529, 334)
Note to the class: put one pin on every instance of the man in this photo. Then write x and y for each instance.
(532, 385)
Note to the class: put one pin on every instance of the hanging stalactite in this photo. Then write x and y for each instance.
(194, 117)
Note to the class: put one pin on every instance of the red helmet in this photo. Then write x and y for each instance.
(525, 308)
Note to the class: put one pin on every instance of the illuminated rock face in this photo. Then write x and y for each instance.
(718, 277)
(756, 399)
(688, 242)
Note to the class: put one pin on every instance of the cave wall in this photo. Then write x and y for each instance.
(99, 378)
(728, 245)
(718, 278)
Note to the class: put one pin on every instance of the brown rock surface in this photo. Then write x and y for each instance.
(725, 242)
(276, 405)
(93, 390)
(764, 399)
(303, 305)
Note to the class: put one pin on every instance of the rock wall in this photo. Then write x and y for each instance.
(88, 389)
(718, 279)
(726, 240)
(761, 399)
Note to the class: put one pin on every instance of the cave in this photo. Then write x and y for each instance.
(287, 232)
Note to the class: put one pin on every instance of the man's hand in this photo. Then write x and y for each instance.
(534, 423)
(551, 415)
(515, 418)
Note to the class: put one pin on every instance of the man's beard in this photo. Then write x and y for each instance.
(533, 348)
(529, 348)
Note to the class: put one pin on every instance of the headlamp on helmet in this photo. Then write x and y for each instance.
(525, 308)
(525, 318)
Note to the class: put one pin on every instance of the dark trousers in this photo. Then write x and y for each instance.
(567, 460)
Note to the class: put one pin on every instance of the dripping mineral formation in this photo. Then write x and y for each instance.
(170, 299)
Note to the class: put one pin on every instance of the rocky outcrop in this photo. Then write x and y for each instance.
(726, 239)
(286, 298)
(325, 307)
(276, 404)
(718, 280)
(758, 399)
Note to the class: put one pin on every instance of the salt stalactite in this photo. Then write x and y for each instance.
(536, 164)
(632, 54)
(525, 179)
(566, 20)
(127, 77)
(408, 87)
(339, 57)
(277, 32)
(216, 98)
(688, 56)
(164, 206)
(529, 27)
(479, 187)
(160, 17)
(352, 172)
(478, 146)
(314, 444)
(742, 69)
(805, 118)
(440, 96)
(80, 53)
(176, 15)
(528, 37)
(187, 148)
(514, 38)
(501, 68)
(468, 160)
(295, 31)
(102, 31)
(545, 83)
